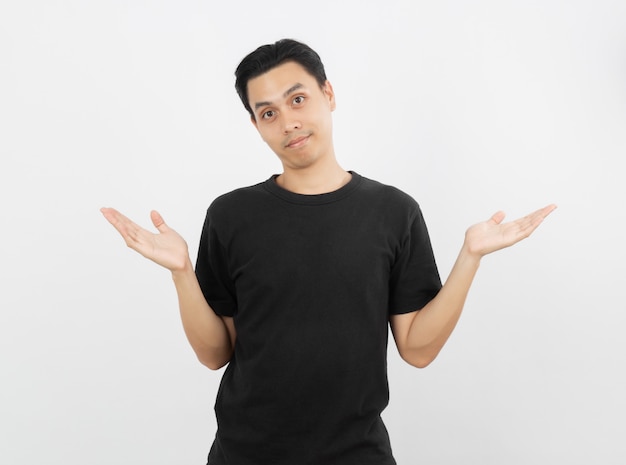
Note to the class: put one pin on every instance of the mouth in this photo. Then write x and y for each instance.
(297, 142)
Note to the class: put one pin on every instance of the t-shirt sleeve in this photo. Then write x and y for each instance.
(213, 273)
(414, 276)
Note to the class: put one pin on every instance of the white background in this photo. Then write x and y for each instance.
(470, 107)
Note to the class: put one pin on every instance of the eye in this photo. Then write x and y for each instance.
(268, 114)
(298, 100)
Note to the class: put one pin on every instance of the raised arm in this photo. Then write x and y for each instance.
(420, 335)
(212, 337)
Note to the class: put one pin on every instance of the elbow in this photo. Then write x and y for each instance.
(418, 359)
(421, 363)
(214, 363)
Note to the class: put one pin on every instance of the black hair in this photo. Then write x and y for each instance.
(269, 56)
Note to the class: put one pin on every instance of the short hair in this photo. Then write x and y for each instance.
(269, 56)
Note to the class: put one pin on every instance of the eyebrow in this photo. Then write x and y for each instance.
(291, 90)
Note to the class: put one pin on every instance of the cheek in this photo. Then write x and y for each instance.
(327, 122)
(265, 135)
(270, 138)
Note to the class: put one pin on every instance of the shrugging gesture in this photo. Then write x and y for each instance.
(167, 248)
(492, 235)
(421, 334)
(211, 337)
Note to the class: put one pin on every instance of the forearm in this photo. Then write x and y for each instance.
(431, 327)
(206, 331)
(420, 335)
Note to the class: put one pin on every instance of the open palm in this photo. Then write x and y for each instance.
(167, 248)
(489, 236)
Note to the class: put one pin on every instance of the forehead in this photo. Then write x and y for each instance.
(271, 86)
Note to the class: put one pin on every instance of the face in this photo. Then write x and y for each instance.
(293, 115)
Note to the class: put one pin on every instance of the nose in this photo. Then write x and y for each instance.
(290, 123)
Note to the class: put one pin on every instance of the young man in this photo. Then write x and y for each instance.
(298, 277)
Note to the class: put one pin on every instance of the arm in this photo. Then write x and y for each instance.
(212, 337)
(420, 335)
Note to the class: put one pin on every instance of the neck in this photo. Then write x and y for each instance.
(314, 180)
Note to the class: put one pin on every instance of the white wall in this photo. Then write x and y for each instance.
(470, 107)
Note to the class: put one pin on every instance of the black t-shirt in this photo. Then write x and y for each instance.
(311, 281)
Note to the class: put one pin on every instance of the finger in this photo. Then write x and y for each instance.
(130, 232)
(545, 211)
(530, 222)
(109, 213)
(538, 216)
(114, 217)
(157, 221)
(497, 217)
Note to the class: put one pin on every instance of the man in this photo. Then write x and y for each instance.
(298, 277)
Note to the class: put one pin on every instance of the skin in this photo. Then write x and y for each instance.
(212, 337)
(293, 115)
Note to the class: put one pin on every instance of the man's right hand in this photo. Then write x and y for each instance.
(212, 337)
(167, 248)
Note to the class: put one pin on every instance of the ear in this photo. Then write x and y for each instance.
(330, 95)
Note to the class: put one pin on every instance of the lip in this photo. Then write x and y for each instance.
(297, 142)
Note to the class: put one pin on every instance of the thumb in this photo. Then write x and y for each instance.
(157, 221)
(497, 217)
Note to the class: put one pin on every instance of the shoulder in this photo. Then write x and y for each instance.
(238, 199)
(388, 196)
